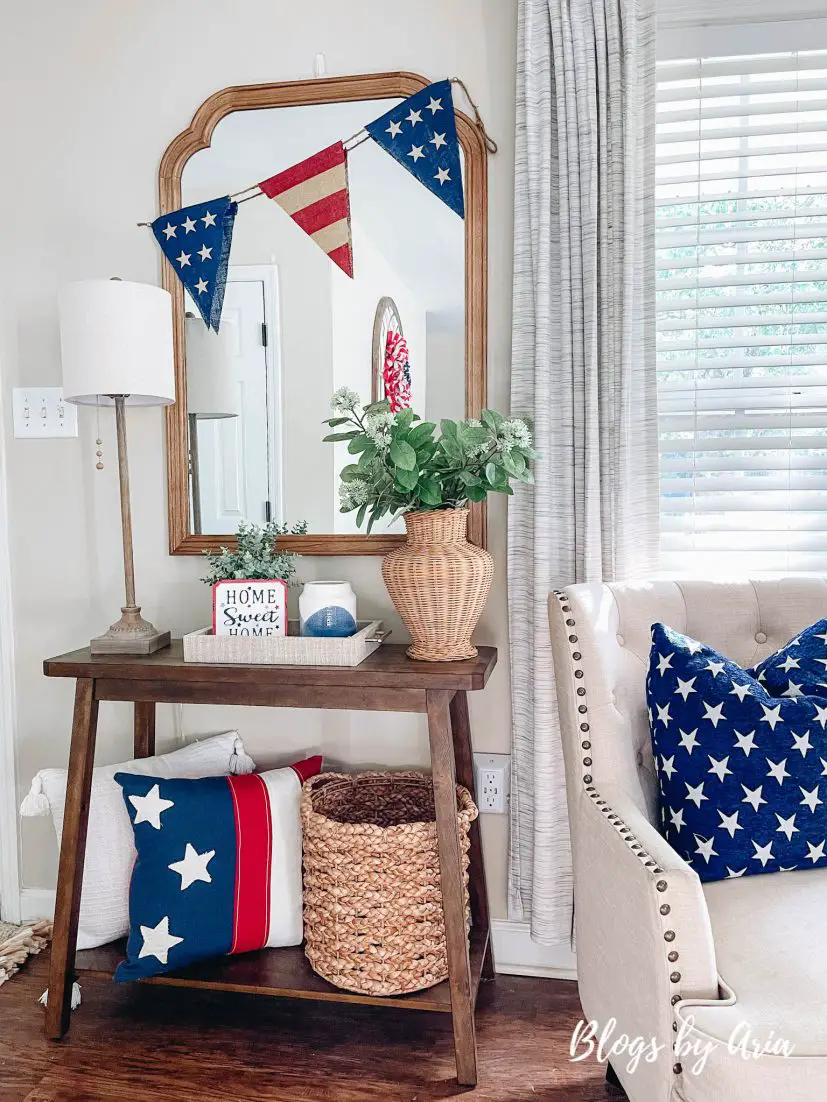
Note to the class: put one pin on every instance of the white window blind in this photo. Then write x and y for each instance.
(742, 312)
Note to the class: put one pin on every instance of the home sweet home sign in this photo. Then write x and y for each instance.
(250, 608)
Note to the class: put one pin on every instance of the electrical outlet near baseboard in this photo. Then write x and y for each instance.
(492, 779)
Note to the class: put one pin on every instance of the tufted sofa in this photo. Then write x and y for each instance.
(721, 968)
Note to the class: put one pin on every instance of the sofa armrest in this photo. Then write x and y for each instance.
(644, 940)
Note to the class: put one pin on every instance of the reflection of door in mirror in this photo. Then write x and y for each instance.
(233, 406)
(407, 246)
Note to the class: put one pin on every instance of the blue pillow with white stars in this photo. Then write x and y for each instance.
(799, 668)
(741, 773)
(218, 868)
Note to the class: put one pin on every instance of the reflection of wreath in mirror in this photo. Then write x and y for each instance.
(391, 377)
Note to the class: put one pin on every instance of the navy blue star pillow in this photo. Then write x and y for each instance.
(742, 774)
(800, 667)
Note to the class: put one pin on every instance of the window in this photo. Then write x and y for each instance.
(742, 312)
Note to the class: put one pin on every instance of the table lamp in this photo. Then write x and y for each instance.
(212, 392)
(116, 347)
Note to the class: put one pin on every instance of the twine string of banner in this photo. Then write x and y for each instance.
(242, 196)
(490, 144)
(254, 190)
(356, 139)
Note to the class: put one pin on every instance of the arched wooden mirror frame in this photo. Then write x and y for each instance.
(252, 97)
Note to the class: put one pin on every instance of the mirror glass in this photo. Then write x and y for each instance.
(295, 328)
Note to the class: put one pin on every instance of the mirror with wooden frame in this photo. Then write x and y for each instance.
(245, 444)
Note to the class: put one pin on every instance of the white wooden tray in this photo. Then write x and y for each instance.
(292, 649)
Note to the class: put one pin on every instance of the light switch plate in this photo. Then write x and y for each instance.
(40, 413)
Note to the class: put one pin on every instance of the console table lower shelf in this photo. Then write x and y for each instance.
(285, 973)
(387, 681)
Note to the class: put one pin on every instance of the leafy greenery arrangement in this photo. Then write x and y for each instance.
(403, 466)
(256, 556)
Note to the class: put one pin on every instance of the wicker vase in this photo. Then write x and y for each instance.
(439, 583)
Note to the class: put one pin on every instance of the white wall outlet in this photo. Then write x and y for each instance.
(492, 779)
(40, 413)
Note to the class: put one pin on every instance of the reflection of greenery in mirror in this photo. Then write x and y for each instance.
(295, 328)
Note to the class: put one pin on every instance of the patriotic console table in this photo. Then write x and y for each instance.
(386, 681)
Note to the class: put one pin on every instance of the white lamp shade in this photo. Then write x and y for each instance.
(116, 338)
(212, 390)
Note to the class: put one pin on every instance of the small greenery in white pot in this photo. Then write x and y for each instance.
(400, 465)
(256, 556)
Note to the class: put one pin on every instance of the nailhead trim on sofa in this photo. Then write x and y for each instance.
(646, 859)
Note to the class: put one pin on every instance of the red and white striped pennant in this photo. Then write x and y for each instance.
(315, 195)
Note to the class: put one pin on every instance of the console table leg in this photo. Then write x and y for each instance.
(72, 849)
(451, 878)
(144, 729)
(464, 755)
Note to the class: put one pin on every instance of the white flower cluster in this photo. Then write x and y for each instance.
(477, 449)
(344, 400)
(353, 494)
(514, 433)
(378, 428)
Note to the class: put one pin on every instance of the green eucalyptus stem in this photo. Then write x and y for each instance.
(399, 463)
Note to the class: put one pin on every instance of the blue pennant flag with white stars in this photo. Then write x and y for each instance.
(421, 133)
(196, 241)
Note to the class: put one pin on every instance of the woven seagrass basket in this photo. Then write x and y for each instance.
(372, 897)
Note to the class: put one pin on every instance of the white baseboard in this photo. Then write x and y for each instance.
(36, 903)
(515, 954)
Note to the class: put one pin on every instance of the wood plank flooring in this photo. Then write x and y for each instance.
(142, 1044)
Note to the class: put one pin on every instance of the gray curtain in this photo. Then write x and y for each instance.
(583, 368)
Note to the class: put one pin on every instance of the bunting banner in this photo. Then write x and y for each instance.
(315, 195)
(196, 241)
(421, 134)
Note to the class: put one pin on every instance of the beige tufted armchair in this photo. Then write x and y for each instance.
(723, 969)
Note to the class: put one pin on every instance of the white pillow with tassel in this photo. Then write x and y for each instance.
(110, 850)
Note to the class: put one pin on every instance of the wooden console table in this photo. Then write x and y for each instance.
(386, 681)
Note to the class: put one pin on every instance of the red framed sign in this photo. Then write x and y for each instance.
(250, 607)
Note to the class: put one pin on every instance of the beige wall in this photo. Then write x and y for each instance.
(94, 90)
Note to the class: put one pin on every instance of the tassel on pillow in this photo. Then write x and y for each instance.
(241, 762)
(35, 802)
(75, 1002)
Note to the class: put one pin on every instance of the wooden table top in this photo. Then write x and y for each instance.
(387, 667)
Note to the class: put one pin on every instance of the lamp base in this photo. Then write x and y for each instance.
(132, 634)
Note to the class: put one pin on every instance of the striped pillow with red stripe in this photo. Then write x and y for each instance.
(219, 866)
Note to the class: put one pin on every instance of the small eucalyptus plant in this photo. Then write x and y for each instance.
(256, 556)
(401, 464)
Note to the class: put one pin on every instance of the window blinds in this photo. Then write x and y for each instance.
(742, 312)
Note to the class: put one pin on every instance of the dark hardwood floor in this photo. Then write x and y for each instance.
(146, 1043)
